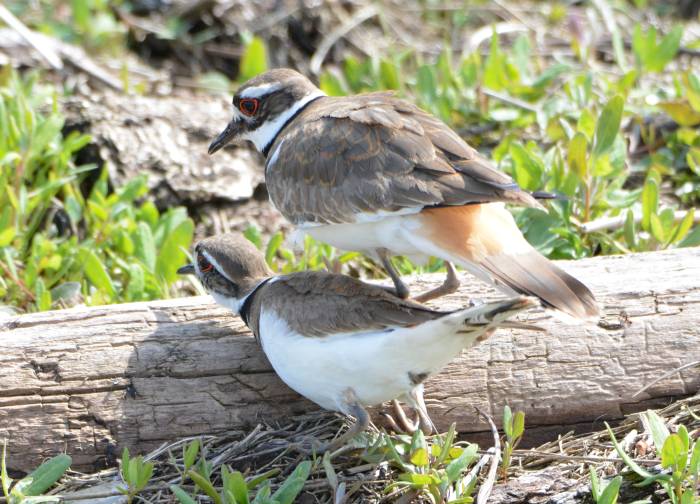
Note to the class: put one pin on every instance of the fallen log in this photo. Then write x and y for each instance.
(92, 380)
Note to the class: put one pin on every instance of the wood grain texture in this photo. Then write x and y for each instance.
(92, 380)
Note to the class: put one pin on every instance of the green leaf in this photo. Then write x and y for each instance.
(667, 49)
(694, 464)
(237, 486)
(254, 60)
(577, 155)
(293, 485)
(455, 468)
(253, 235)
(331, 475)
(693, 238)
(608, 126)
(205, 485)
(527, 169)
(273, 246)
(674, 454)
(7, 235)
(43, 477)
(657, 228)
(4, 478)
(650, 202)
(611, 491)
(145, 246)
(256, 480)
(331, 85)
(190, 453)
(426, 84)
(655, 425)
(181, 495)
(630, 230)
(518, 426)
(595, 483)
(173, 252)
(389, 75)
(97, 273)
(508, 421)
(420, 457)
(446, 444)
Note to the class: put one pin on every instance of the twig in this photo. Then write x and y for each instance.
(664, 376)
(486, 32)
(607, 223)
(577, 458)
(510, 100)
(336, 34)
(487, 485)
(38, 43)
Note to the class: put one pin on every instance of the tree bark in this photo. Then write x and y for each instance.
(92, 380)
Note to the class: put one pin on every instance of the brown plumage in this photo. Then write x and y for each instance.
(342, 304)
(376, 152)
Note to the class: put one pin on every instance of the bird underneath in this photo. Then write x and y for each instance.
(376, 174)
(337, 341)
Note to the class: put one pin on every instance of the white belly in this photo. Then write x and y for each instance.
(375, 365)
(395, 234)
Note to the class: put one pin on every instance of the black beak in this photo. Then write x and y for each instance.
(232, 129)
(187, 269)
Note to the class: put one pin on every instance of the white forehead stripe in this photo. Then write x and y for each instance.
(263, 135)
(262, 89)
(215, 264)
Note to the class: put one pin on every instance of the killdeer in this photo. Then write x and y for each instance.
(377, 174)
(339, 342)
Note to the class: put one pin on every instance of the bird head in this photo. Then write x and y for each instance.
(229, 267)
(263, 106)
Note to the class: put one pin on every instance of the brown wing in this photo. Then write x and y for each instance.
(375, 152)
(324, 303)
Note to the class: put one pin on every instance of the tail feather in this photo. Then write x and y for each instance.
(535, 275)
(485, 239)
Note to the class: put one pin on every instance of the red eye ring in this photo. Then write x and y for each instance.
(249, 106)
(204, 265)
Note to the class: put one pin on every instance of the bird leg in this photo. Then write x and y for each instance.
(400, 288)
(416, 401)
(399, 421)
(352, 407)
(360, 413)
(450, 285)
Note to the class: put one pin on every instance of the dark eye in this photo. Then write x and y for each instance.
(249, 106)
(204, 265)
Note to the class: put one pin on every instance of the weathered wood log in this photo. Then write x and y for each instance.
(166, 138)
(91, 380)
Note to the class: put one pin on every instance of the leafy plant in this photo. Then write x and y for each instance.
(236, 489)
(680, 457)
(135, 473)
(60, 244)
(653, 56)
(29, 489)
(434, 469)
(513, 428)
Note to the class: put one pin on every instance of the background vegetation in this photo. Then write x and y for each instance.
(612, 130)
(609, 123)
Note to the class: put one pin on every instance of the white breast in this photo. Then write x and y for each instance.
(375, 365)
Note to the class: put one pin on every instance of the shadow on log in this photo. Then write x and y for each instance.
(92, 380)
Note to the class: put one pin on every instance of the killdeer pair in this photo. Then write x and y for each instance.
(340, 342)
(376, 174)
